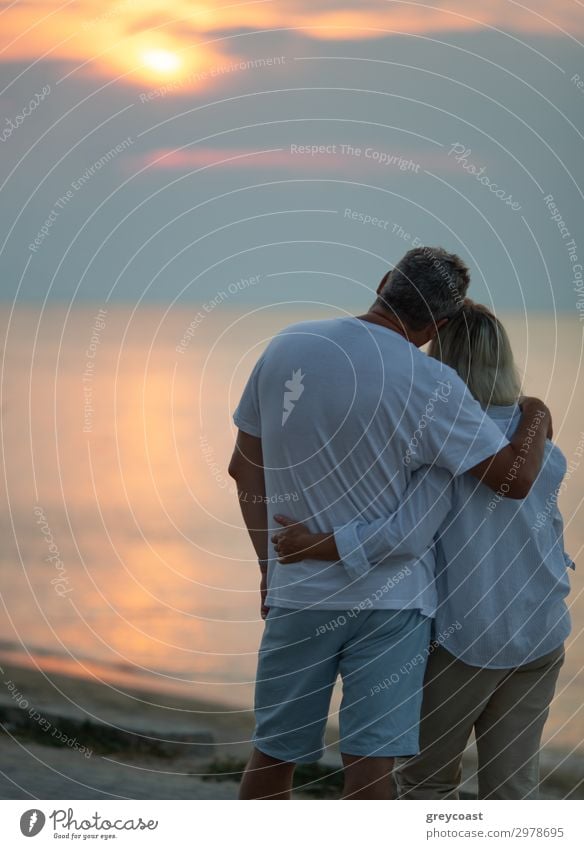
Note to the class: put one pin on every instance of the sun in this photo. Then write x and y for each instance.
(161, 61)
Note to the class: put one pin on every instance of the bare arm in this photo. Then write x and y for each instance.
(512, 472)
(247, 468)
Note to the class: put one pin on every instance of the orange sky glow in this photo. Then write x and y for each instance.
(153, 41)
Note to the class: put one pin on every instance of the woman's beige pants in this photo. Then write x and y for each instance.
(507, 708)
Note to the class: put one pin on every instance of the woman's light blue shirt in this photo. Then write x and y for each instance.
(500, 563)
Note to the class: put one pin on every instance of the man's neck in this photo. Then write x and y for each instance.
(377, 316)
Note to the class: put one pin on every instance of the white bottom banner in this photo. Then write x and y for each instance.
(177, 824)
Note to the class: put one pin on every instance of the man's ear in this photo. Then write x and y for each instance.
(383, 282)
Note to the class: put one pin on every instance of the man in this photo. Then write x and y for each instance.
(337, 415)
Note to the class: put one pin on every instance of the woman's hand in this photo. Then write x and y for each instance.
(295, 543)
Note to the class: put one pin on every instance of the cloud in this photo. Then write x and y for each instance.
(322, 17)
(112, 40)
(333, 159)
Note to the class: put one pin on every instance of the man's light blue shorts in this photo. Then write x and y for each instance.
(379, 654)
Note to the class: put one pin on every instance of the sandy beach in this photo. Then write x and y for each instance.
(67, 737)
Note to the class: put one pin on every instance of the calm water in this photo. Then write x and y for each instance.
(115, 447)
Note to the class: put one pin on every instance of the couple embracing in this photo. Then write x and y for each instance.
(416, 565)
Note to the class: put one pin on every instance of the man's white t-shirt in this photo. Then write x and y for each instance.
(347, 410)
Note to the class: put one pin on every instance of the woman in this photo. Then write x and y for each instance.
(501, 580)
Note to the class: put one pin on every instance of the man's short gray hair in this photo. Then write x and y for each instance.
(427, 284)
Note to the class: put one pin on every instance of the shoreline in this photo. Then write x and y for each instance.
(73, 737)
(117, 699)
(73, 725)
(125, 677)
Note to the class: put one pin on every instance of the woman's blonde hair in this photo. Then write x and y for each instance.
(476, 345)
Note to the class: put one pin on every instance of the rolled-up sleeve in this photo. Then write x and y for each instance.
(404, 535)
(351, 548)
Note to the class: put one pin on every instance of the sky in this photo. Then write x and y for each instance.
(161, 151)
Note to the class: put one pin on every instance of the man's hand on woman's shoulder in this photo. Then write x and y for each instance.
(536, 407)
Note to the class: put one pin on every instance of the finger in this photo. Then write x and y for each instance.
(275, 538)
(290, 558)
(285, 520)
